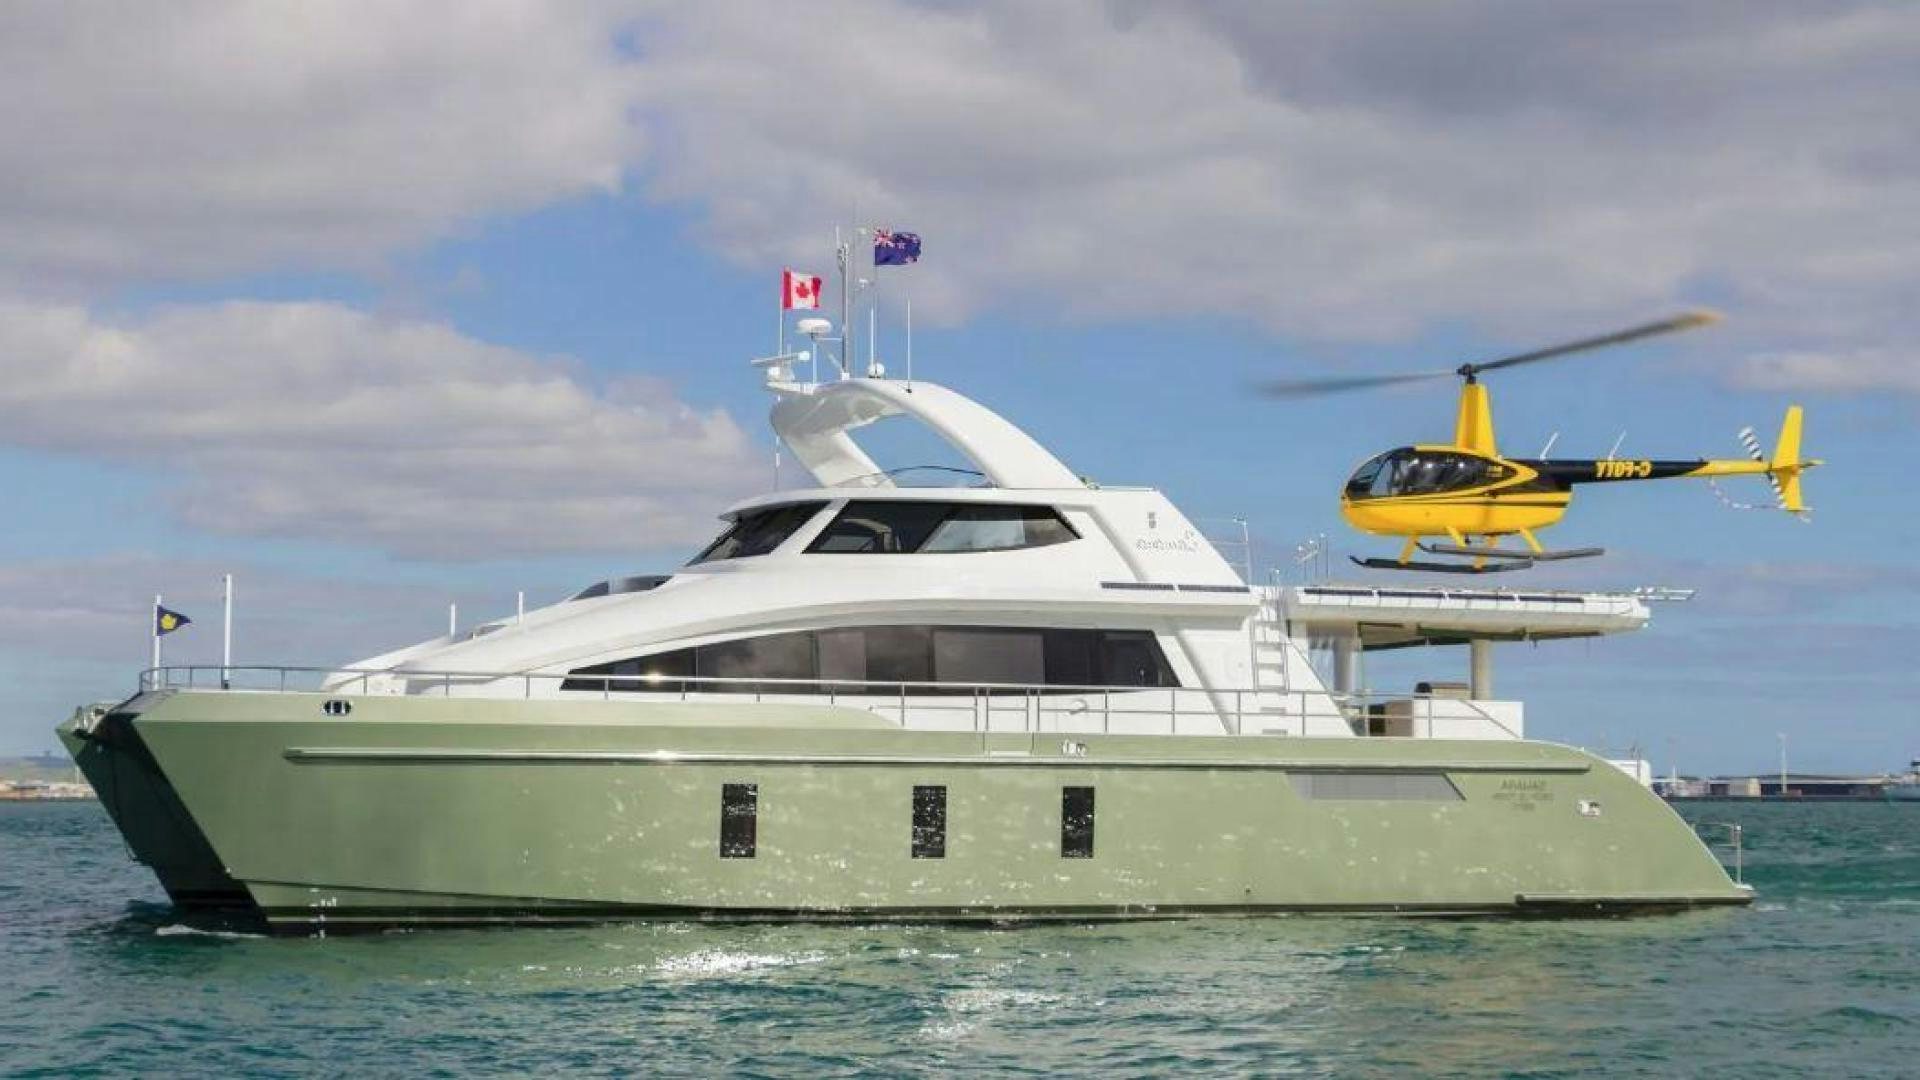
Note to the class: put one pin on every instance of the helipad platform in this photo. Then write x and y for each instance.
(1401, 617)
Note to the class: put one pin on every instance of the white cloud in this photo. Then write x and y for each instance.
(160, 141)
(1862, 371)
(1345, 173)
(320, 422)
(1350, 173)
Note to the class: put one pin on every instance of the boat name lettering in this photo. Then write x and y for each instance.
(1186, 544)
(1523, 794)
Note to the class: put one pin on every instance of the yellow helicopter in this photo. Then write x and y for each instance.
(1466, 491)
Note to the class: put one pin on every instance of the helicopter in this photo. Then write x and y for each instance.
(1457, 501)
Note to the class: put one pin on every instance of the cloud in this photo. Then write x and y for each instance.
(1347, 174)
(319, 422)
(160, 141)
(1354, 175)
(1859, 372)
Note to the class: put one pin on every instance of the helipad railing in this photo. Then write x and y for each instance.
(948, 705)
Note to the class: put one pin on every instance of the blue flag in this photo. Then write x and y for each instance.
(166, 621)
(895, 248)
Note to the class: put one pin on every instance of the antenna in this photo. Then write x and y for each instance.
(818, 329)
(1615, 452)
(909, 344)
(1548, 449)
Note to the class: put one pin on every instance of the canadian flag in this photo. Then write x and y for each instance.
(799, 290)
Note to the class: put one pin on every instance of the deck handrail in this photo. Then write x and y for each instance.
(1276, 710)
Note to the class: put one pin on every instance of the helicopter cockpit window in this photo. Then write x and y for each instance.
(1419, 472)
(1361, 484)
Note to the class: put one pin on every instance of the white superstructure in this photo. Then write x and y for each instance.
(1031, 601)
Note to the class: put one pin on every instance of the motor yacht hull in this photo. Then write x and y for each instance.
(417, 810)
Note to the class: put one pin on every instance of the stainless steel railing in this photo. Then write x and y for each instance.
(952, 706)
(1735, 842)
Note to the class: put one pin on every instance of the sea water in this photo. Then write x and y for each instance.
(1820, 977)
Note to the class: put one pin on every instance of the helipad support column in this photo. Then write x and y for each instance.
(1480, 669)
(1346, 656)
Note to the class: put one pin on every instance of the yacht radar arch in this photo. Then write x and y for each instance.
(813, 420)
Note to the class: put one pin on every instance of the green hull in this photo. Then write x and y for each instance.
(421, 810)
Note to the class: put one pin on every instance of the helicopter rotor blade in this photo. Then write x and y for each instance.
(1340, 384)
(1684, 321)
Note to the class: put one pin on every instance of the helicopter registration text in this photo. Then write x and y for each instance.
(1622, 470)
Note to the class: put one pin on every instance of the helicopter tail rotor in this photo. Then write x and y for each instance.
(1783, 467)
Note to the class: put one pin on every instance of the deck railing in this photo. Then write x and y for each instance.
(1016, 707)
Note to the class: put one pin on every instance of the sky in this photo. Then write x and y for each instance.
(384, 307)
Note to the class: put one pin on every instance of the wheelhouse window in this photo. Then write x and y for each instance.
(905, 527)
(960, 656)
(757, 532)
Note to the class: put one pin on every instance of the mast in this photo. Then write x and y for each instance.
(844, 252)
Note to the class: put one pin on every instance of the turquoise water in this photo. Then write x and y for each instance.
(1822, 976)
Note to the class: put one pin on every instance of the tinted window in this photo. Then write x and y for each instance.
(1360, 484)
(1133, 658)
(739, 820)
(929, 822)
(1072, 657)
(842, 654)
(756, 532)
(1420, 472)
(900, 654)
(774, 656)
(961, 656)
(989, 656)
(893, 527)
(879, 528)
(998, 528)
(645, 673)
(1076, 823)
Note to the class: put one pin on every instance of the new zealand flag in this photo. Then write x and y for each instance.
(895, 248)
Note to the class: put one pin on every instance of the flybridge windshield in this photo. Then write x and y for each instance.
(756, 532)
(898, 527)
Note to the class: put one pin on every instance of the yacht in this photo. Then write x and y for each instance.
(1022, 696)
(1905, 788)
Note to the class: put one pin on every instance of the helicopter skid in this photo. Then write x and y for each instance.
(1520, 563)
(1518, 556)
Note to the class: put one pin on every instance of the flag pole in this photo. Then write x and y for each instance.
(780, 316)
(153, 627)
(909, 344)
(844, 252)
(226, 630)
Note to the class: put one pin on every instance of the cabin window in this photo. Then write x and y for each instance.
(904, 527)
(929, 821)
(980, 655)
(757, 532)
(739, 820)
(899, 654)
(1076, 823)
(1133, 658)
(842, 659)
(772, 656)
